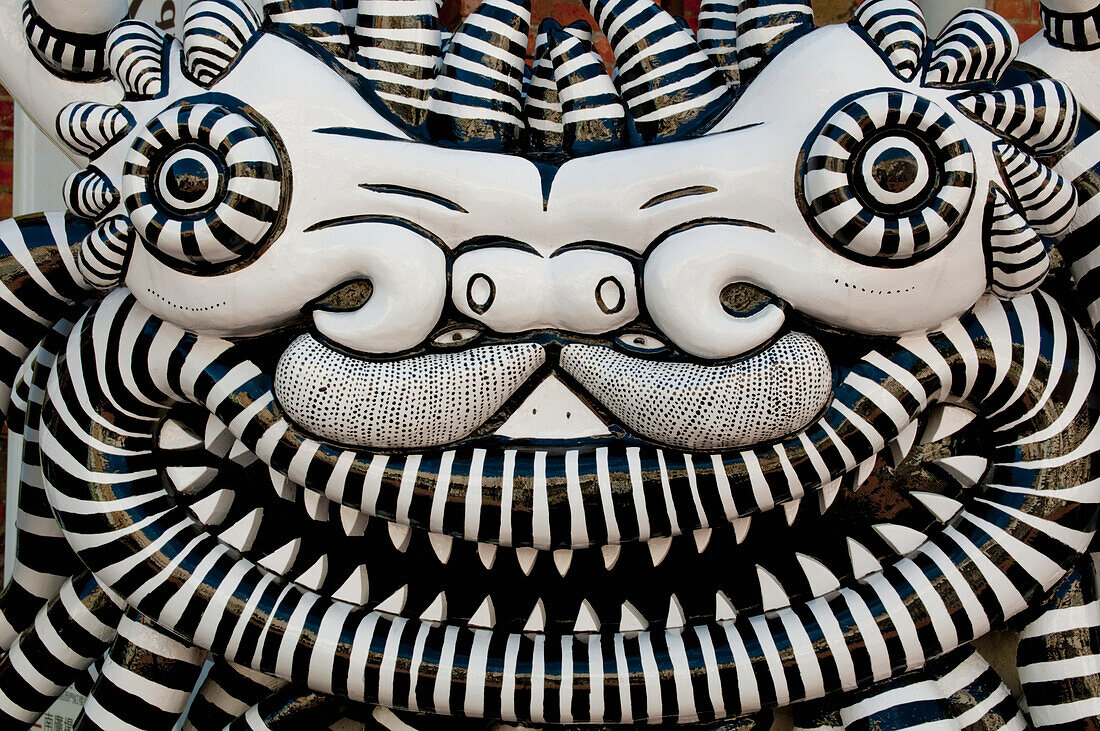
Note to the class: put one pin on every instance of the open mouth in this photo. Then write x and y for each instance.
(618, 582)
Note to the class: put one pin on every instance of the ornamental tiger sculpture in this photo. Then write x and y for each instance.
(407, 381)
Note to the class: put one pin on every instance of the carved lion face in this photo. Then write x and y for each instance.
(566, 399)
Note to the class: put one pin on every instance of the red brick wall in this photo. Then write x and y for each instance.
(1023, 14)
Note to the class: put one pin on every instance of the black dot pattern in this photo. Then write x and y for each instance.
(417, 402)
(695, 406)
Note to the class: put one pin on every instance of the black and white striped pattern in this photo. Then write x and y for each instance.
(477, 100)
(1059, 654)
(766, 27)
(88, 128)
(897, 29)
(670, 87)
(89, 194)
(44, 284)
(399, 47)
(42, 560)
(1009, 541)
(1081, 244)
(291, 708)
(977, 45)
(227, 693)
(214, 34)
(961, 691)
(239, 212)
(593, 118)
(838, 191)
(1047, 200)
(135, 51)
(717, 35)
(146, 681)
(1041, 115)
(71, 55)
(320, 20)
(1079, 31)
(1018, 258)
(541, 106)
(104, 251)
(68, 635)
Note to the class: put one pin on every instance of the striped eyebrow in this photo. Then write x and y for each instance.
(676, 194)
(414, 193)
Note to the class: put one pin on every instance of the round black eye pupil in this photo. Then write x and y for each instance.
(187, 179)
(895, 169)
(639, 341)
(455, 337)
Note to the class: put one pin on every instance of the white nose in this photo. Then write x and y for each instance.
(513, 290)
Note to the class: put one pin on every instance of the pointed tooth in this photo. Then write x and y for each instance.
(863, 561)
(281, 559)
(487, 552)
(631, 620)
(941, 506)
(563, 559)
(587, 619)
(400, 535)
(900, 538)
(284, 488)
(174, 436)
(966, 470)
(241, 534)
(213, 509)
(702, 538)
(863, 471)
(317, 505)
(217, 438)
(944, 421)
(676, 617)
(526, 557)
(395, 602)
(190, 480)
(485, 616)
(790, 510)
(658, 549)
(741, 529)
(827, 495)
(610, 555)
(242, 455)
(314, 576)
(724, 611)
(437, 610)
(820, 578)
(442, 546)
(900, 446)
(537, 621)
(356, 589)
(354, 522)
(772, 594)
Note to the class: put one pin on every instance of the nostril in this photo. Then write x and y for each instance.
(610, 295)
(480, 293)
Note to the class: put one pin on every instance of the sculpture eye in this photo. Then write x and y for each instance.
(456, 336)
(640, 343)
(888, 178)
(203, 186)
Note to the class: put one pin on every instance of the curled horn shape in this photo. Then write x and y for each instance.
(593, 118)
(718, 35)
(541, 106)
(1009, 542)
(71, 38)
(670, 87)
(320, 20)
(214, 34)
(766, 27)
(477, 100)
(399, 47)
